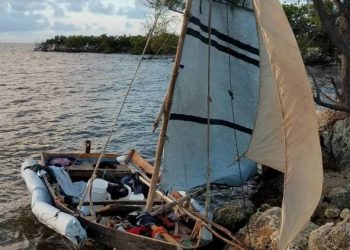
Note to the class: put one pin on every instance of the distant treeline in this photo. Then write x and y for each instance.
(162, 44)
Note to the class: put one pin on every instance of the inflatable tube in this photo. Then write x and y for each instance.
(63, 223)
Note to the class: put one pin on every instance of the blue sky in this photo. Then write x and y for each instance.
(36, 20)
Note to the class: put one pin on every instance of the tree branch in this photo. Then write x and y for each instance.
(329, 24)
(318, 100)
(339, 96)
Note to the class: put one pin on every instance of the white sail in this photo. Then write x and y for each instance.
(286, 136)
(261, 103)
(234, 97)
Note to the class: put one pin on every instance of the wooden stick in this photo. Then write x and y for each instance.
(217, 226)
(118, 202)
(170, 205)
(233, 242)
(167, 107)
(159, 117)
(206, 223)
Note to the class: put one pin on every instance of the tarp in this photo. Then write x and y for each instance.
(234, 90)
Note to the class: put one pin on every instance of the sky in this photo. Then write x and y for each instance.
(36, 20)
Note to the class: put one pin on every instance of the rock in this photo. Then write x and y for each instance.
(331, 237)
(340, 141)
(318, 216)
(264, 231)
(270, 191)
(235, 214)
(339, 197)
(344, 213)
(264, 207)
(302, 240)
(332, 212)
(327, 139)
(327, 118)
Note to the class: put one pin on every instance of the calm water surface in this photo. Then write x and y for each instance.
(54, 102)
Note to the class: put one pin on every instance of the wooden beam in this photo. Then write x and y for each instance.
(136, 159)
(167, 107)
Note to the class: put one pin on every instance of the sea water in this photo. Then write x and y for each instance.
(56, 101)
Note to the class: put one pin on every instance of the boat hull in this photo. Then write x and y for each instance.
(114, 238)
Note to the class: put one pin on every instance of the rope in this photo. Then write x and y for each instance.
(89, 186)
(234, 131)
(207, 200)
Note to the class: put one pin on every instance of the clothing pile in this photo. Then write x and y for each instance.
(157, 227)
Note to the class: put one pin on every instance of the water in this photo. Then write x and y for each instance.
(56, 101)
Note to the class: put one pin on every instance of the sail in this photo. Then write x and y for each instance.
(261, 107)
(285, 135)
(234, 96)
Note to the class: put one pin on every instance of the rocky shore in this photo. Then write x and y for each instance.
(256, 221)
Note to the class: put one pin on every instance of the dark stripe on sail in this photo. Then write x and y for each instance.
(224, 37)
(201, 120)
(222, 48)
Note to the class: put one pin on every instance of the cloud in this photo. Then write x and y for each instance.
(63, 27)
(58, 10)
(35, 20)
(17, 21)
(98, 8)
(75, 5)
(133, 13)
(129, 26)
(28, 6)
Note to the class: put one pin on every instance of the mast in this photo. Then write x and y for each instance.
(167, 107)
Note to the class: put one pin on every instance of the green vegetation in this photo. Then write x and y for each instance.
(166, 43)
(314, 44)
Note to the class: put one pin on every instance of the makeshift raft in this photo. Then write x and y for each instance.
(119, 223)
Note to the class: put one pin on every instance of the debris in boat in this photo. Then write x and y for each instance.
(133, 181)
(70, 188)
(117, 191)
(140, 230)
(107, 165)
(61, 162)
(121, 159)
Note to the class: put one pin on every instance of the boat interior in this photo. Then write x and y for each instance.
(118, 196)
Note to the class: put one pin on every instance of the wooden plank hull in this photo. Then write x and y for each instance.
(100, 234)
(117, 239)
(120, 240)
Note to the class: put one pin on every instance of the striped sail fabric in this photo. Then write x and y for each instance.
(234, 94)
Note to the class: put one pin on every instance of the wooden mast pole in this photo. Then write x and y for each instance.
(167, 106)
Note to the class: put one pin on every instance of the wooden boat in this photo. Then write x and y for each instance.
(104, 234)
(238, 95)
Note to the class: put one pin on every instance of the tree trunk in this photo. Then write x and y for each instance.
(344, 26)
(338, 29)
(346, 80)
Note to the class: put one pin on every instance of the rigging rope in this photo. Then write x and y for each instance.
(89, 186)
(207, 200)
(231, 93)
